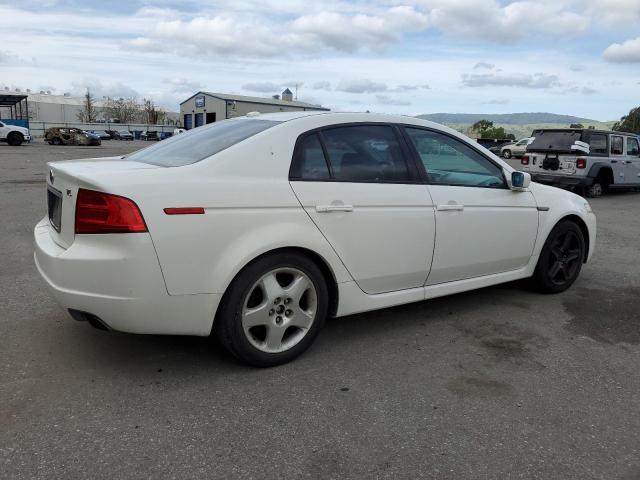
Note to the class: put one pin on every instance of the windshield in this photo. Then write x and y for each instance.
(200, 143)
(554, 140)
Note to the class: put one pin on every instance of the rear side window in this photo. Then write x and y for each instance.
(365, 153)
(200, 143)
(617, 145)
(632, 146)
(310, 163)
(598, 144)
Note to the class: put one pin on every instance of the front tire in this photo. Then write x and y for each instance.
(273, 310)
(561, 258)
(15, 139)
(507, 153)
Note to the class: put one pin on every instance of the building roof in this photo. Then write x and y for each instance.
(259, 100)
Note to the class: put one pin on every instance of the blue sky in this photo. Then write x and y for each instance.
(416, 56)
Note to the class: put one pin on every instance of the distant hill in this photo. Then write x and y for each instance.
(525, 118)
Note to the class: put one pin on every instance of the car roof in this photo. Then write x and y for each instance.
(328, 118)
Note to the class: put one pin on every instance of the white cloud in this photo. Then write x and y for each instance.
(323, 85)
(386, 100)
(102, 88)
(360, 86)
(483, 65)
(497, 101)
(181, 84)
(489, 20)
(626, 52)
(523, 80)
(263, 87)
(226, 34)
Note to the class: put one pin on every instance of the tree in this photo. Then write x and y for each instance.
(88, 114)
(124, 110)
(576, 125)
(151, 113)
(482, 125)
(630, 122)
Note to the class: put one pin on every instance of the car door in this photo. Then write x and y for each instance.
(618, 158)
(482, 226)
(632, 162)
(363, 193)
(4, 131)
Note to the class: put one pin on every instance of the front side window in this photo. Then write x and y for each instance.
(365, 153)
(449, 161)
(616, 145)
(200, 143)
(598, 144)
(632, 147)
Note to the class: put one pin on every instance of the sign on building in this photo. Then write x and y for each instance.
(200, 101)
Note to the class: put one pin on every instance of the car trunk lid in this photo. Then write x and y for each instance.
(64, 179)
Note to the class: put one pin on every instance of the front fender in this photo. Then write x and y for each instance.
(554, 205)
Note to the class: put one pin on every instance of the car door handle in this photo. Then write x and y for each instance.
(450, 207)
(334, 208)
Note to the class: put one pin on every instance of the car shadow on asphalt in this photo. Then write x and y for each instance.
(127, 352)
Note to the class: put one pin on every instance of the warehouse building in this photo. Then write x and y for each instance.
(206, 107)
(47, 107)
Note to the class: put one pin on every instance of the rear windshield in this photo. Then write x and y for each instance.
(554, 140)
(200, 143)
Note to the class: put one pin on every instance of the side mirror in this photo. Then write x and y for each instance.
(519, 181)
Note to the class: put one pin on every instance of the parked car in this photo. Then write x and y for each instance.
(122, 135)
(589, 160)
(70, 136)
(149, 135)
(14, 135)
(103, 134)
(275, 222)
(176, 131)
(515, 149)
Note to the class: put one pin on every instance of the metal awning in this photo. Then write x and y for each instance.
(17, 105)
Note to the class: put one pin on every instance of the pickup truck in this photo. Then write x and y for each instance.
(14, 135)
(588, 160)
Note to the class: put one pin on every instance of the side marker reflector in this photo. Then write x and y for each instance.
(184, 211)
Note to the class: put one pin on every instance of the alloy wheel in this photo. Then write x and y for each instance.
(279, 309)
(565, 257)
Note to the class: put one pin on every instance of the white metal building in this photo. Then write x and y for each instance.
(207, 107)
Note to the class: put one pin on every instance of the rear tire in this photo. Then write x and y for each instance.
(506, 153)
(15, 139)
(561, 258)
(56, 141)
(273, 310)
(595, 190)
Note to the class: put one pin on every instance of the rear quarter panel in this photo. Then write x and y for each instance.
(250, 209)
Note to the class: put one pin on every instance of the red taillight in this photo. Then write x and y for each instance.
(184, 211)
(581, 163)
(98, 212)
(525, 160)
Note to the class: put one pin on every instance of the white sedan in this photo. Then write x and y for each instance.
(260, 227)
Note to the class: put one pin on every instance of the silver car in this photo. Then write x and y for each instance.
(515, 149)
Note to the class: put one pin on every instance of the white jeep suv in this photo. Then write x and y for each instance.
(588, 160)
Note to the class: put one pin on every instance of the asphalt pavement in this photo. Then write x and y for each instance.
(500, 383)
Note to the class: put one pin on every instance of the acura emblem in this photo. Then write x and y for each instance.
(51, 176)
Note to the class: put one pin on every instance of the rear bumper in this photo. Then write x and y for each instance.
(564, 180)
(117, 278)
